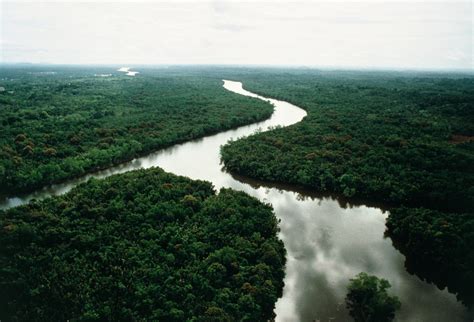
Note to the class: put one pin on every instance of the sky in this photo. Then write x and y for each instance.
(370, 34)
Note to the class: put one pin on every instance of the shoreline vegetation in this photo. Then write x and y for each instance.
(386, 137)
(145, 244)
(140, 245)
(61, 125)
(400, 139)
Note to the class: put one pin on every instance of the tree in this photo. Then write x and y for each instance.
(368, 300)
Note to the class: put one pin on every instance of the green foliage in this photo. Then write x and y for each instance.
(57, 126)
(145, 245)
(404, 139)
(379, 136)
(438, 246)
(368, 301)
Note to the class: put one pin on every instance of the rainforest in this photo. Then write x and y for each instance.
(217, 193)
(404, 140)
(71, 121)
(145, 245)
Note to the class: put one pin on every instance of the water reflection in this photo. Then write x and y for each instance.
(304, 193)
(327, 245)
(328, 240)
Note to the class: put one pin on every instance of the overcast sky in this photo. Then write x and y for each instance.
(345, 34)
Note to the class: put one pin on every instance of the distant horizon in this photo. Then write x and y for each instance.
(429, 35)
(275, 66)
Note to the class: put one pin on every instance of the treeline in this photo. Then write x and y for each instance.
(438, 247)
(398, 138)
(61, 122)
(145, 245)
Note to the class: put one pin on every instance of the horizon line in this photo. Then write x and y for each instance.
(290, 66)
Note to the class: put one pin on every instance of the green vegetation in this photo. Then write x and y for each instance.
(368, 300)
(149, 245)
(54, 126)
(376, 136)
(406, 140)
(438, 246)
(145, 245)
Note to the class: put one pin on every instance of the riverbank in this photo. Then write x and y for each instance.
(384, 137)
(82, 123)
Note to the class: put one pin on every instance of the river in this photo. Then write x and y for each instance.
(327, 241)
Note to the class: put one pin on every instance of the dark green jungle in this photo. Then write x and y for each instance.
(145, 245)
(403, 139)
(63, 125)
(149, 245)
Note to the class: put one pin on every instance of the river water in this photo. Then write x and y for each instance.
(327, 242)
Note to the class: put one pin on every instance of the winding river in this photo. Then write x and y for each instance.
(327, 242)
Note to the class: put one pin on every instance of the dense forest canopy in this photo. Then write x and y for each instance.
(438, 247)
(58, 122)
(404, 139)
(145, 245)
(397, 139)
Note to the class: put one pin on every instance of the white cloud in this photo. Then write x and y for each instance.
(368, 34)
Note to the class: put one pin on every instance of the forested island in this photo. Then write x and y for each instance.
(145, 245)
(402, 139)
(60, 122)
